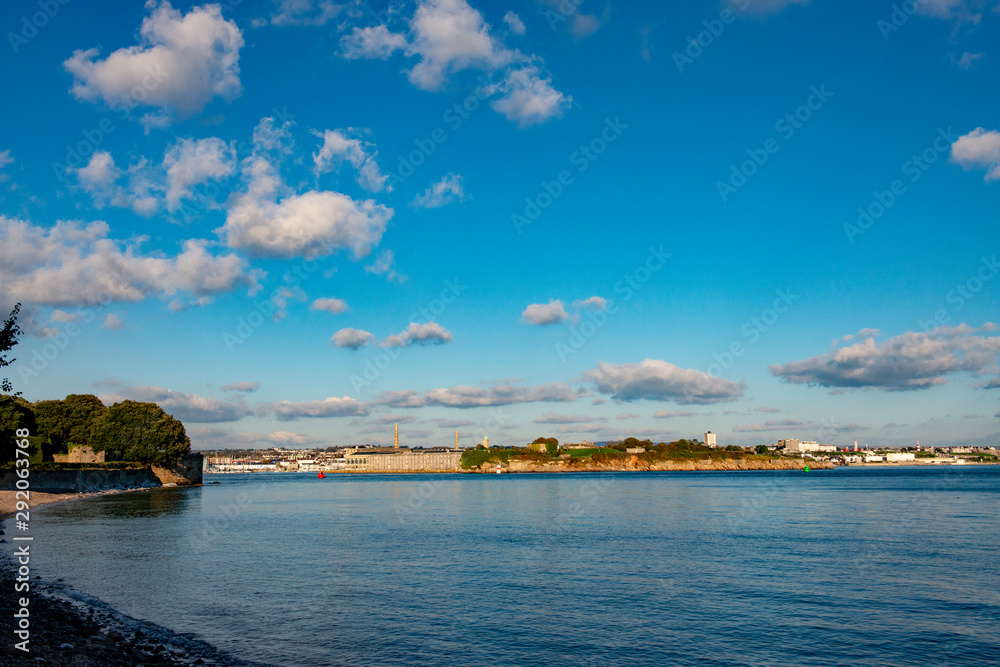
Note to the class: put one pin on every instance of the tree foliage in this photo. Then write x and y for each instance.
(135, 431)
(15, 413)
(762, 449)
(67, 422)
(8, 339)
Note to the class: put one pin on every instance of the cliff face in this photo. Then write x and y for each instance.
(633, 463)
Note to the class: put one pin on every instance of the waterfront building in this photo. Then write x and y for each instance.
(710, 439)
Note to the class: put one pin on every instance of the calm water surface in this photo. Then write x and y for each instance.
(876, 566)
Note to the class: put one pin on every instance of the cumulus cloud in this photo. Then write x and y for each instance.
(181, 63)
(445, 191)
(375, 42)
(352, 339)
(5, 158)
(449, 36)
(913, 360)
(627, 415)
(185, 407)
(593, 303)
(430, 333)
(514, 23)
(185, 165)
(543, 314)
(385, 264)
(244, 387)
(335, 306)
(192, 162)
(339, 147)
(979, 148)
(475, 397)
(556, 418)
(316, 223)
(73, 263)
(328, 407)
(658, 380)
(112, 322)
(527, 97)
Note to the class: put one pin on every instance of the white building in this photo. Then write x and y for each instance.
(793, 446)
(710, 439)
(900, 456)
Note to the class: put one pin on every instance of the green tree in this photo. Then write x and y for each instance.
(143, 432)
(762, 449)
(65, 423)
(15, 413)
(551, 448)
(8, 339)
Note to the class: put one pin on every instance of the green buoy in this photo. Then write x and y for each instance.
(807, 468)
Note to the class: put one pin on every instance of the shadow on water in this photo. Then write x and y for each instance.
(149, 504)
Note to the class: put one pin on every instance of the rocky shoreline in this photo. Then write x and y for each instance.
(72, 629)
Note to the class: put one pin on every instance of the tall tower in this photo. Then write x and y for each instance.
(395, 441)
(456, 438)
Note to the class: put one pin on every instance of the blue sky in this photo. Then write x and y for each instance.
(295, 223)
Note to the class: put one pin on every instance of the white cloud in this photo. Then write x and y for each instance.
(968, 60)
(186, 407)
(209, 437)
(593, 303)
(430, 333)
(112, 322)
(552, 312)
(304, 13)
(385, 264)
(773, 425)
(449, 36)
(330, 305)
(62, 316)
(528, 98)
(556, 418)
(514, 22)
(768, 6)
(338, 147)
(371, 42)
(910, 361)
(352, 339)
(5, 158)
(192, 162)
(667, 414)
(76, 264)
(244, 387)
(443, 192)
(328, 407)
(658, 380)
(312, 224)
(472, 397)
(180, 65)
(979, 148)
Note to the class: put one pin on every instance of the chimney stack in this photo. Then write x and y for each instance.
(396, 439)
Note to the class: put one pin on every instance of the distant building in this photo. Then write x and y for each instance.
(793, 446)
(403, 460)
(710, 439)
(900, 456)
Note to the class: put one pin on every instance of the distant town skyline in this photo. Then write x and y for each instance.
(296, 224)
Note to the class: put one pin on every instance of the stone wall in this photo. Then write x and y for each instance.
(80, 454)
(83, 481)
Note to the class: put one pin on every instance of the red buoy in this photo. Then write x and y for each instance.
(321, 475)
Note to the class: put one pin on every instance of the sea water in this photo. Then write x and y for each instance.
(873, 566)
